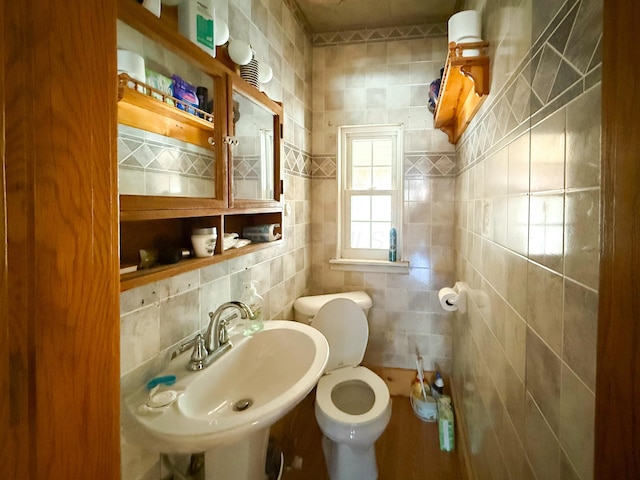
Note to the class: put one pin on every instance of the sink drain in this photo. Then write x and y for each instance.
(242, 405)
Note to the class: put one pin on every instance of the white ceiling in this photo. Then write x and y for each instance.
(340, 15)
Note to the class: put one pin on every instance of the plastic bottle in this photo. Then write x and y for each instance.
(437, 386)
(255, 303)
(393, 245)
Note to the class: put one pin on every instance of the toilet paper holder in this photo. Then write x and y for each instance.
(454, 299)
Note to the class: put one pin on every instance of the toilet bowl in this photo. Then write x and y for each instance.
(352, 406)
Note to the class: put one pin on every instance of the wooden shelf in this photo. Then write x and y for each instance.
(161, 272)
(464, 86)
(141, 110)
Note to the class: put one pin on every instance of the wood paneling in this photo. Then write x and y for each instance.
(61, 242)
(617, 446)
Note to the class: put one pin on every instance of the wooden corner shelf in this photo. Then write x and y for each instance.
(161, 272)
(137, 108)
(464, 86)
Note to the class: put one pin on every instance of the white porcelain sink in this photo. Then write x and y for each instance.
(272, 371)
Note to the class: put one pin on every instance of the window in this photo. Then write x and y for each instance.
(370, 191)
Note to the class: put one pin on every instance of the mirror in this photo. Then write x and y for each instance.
(253, 155)
(166, 147)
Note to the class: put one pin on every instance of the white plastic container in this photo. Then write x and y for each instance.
(204, 241)
(195, 21)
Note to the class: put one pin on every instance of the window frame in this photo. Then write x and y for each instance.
(346, 134)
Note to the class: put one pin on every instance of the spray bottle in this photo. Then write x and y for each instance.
(255, 303)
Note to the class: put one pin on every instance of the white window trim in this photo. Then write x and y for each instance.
(362, 264)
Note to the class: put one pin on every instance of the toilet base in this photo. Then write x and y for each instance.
(349, 462)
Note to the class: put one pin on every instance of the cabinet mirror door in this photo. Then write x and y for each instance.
(255, 150)
(167, 125)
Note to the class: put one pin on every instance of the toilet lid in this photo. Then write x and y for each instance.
(345, 327)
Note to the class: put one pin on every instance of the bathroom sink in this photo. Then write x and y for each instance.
(248, 389)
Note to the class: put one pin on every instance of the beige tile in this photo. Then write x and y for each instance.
(580, 331)
(583, 140)
(518, 223)
(515, 341)
(544, 305)
(541, 445)
(139, 337)
(577, 418)
(179, 317)
(546, 230)
(517, 283)
(544, 378)
(515, 399)
(518, 178)
(496, 174)
(547, 153)
(582, 237)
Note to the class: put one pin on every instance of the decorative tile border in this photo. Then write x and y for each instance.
(296, 162)
(416, 165)
(144, 151)
(379, 34)
(554, 72)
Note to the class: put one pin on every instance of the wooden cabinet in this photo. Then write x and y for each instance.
(464, 86)
(159, 219)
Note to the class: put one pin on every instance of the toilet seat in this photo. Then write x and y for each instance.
(328, 382)
(345, 327)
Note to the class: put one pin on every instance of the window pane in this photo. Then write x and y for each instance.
(360, 235)
(361, 152)
(381, 208)
(382, 178)
(360, 208)
(382, 152)
(380, 235)
(361, 178)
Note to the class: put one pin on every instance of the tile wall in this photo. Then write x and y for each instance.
(156, 318)
(376, 77)
(527, 241)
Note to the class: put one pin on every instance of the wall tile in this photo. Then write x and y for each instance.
(580, 331)
(583, 140)
(547, 153)
(577, 420)
(582, 238)
(541, 445)
(546, 230)
(544, 305)
(544, 379)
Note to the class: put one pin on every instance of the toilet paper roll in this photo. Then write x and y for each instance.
(448, 298)
(132, 64)
(261, 233)
(464, 27)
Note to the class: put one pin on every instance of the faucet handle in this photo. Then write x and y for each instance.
(223, 334)
(199, 353)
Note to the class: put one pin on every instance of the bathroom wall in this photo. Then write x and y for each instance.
(377, 77)
(157, 317)
(527, 242)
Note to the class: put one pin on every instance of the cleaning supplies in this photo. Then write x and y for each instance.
(424, 405)
(195, 21)
(255, 302)
(445, 424)
(437, 386)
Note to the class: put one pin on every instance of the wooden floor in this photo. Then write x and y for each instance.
(409, 448)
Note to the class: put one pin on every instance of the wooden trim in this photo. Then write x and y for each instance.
(617, 425)
(61, 240)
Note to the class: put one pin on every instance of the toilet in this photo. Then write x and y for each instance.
(353, 406)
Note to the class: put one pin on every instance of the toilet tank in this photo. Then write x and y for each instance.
(305, 308)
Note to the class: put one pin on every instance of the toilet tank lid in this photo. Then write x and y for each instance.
(310, 305)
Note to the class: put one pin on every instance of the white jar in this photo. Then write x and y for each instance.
(204, 241)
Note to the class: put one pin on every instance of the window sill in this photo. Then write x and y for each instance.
(379, 266)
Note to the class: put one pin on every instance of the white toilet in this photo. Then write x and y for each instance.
(353, 406)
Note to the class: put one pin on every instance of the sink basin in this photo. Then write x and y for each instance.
(245, 391)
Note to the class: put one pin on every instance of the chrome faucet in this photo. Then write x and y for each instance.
(216, 339)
